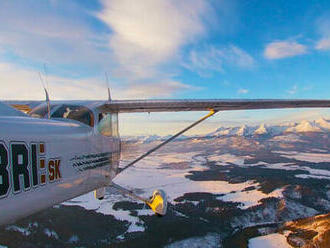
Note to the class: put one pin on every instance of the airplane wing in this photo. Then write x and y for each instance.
(24, 106)
(129, 106)
(172, 105)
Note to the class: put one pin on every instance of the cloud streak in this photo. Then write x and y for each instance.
(323, 44)
(215, 58)
(24, 84)
(293, 90)
(322, 26)
(242, 91)
(42, 31)
(284, 49)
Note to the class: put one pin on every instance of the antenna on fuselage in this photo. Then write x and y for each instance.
(108, 86)
(46, 75)
(46, 92)
(48, 103)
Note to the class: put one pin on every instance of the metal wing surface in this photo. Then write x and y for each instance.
(24, 106)
(129, 106)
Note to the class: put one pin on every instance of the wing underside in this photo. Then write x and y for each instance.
(173, 105)
(127, 106)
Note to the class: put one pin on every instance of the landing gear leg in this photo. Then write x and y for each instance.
(157, 202)
(99, 193)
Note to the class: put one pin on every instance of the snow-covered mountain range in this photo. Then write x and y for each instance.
(321, 126)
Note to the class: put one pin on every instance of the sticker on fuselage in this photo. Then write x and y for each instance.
(24, 166)
(91, 161)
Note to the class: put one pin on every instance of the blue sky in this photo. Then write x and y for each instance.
(168, 49)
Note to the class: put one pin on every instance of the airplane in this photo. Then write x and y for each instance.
(62, 149)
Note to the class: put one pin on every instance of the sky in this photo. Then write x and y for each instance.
(168, 49)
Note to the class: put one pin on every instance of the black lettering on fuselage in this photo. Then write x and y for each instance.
(20, 166)
(4, 174)
(23, 167)
(34, 164)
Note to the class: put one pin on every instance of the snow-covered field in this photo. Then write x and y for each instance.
(105, 207)
(250, 198)
(151, 174)
(226, 159)
(227, 180)
(209, 241)
(305, 156)
(168, 171)
(274, 240)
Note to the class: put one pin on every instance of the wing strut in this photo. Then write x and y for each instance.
(212, 112)
(158, 201)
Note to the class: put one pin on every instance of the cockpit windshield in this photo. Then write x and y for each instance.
(41, 111)
(75, 112)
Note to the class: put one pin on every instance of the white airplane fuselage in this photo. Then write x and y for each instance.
(45, 162)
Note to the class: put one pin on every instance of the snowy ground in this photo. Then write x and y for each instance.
(154, 173)
(225, 159)
(250, 198)
(168, 171)
(214, 186)
(274, 240)
(208, 241)
(305, 156)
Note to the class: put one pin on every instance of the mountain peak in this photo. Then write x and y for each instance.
(323, 123)
(242, 131)
(261, 129)
(304, 126)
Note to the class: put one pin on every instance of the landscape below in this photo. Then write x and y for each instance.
(264, 186)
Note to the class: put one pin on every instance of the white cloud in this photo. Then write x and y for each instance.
(24, 84)
(283, 49)
(323, 44)
(145, 36)
(322, 27)
(148, 33)
(165, 88)
(240, 57)
(243, 91)
(293, 90)
(212, 58)
(41, 31)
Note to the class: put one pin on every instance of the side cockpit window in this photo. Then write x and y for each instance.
(108, 124)
(74, 112)
(104, 124)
